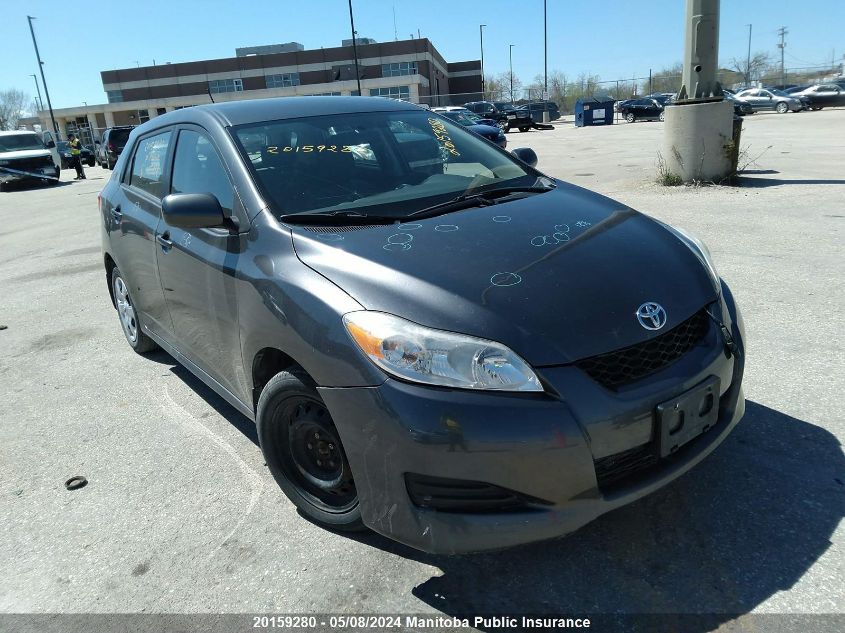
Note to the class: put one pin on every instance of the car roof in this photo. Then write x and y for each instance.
(257, 110)
(14, 132)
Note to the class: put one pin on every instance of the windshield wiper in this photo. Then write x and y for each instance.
(481, 199)
(337, 217)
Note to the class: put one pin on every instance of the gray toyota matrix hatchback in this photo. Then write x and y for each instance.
(435, 340)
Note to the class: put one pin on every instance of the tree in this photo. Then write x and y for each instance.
(13, 107)
(666, 80)
(758, 64)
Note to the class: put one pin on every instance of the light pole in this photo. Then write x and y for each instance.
(748, 61)
(545, 55)
(510, 55)
(43, 80)
(40, 102)
(355, 49)
(481, 37)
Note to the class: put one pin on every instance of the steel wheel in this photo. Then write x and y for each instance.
(125, 309)
(312, 455)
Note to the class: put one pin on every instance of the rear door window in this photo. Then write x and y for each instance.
(147, 172)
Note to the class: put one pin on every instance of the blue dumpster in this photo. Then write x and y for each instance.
(592, 111)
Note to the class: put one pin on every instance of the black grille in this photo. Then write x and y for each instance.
(615, 468)
(459, 495)
(624, 366)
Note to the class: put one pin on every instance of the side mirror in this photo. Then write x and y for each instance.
(192, 210)
(526, 155)
(50, 144)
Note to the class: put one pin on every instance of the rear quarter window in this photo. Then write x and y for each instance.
(148, 164)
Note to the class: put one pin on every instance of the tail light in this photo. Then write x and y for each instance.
(111, 147)
(100, 202)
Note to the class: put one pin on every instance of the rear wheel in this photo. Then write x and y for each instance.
(629, 117)
(129, 321)
(303, 451)
(781, 108)
(662, 116)
(524, 128)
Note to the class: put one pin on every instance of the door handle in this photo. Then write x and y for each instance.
(116, 214)
(164, 240)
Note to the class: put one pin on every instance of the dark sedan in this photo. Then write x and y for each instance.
(436, 340)
(494, 134)
(643, 109)
(822, 96)
(87, 156)
(741, 108)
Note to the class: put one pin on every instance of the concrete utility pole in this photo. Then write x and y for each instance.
(748, 61)
(698, 131)
(43, 80)
(782, 32)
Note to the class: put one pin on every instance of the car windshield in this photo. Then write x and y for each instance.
(18, 142)
(375, 163)
(62, 145)
(780, 93)
(459, 117)
(504, 106)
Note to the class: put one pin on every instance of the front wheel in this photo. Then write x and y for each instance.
(303, 451)
(629, 117)
(502, 125)
(782, 108)
(129, 320)
(662, 116)
(524, 128)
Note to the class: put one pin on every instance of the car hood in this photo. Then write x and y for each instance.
(24, 153)
(556, 276)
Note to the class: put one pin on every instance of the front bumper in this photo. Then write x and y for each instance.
(12, 173)
(543, 447)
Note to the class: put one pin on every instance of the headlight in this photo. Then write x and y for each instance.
(701, 251)
(434, 357)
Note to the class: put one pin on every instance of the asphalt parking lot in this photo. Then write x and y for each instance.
(181, 515)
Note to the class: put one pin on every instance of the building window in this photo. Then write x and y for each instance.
(394, 92)
(225, 85)
(399, 69)
(114, 96)
(143, 116)
(282, 81)
(325, 94)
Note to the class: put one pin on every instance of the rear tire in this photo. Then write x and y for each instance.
(662, 116)
(302, 449)
(524, 129)
(129, 321)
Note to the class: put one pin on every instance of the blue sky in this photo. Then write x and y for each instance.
(611, 38)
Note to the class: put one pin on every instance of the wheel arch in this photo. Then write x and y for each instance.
(267, 362)
(110, 265)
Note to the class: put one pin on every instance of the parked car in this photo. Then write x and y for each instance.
(762, 99)
(505, 115)
(462, 116)
(537, 108)
(420, 348)
(648, 109)
(111, 145)
(822, 96)
(86, 155)
(795, 89)
(24, 157)
(741, 108)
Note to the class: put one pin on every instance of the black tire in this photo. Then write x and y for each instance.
(503, 125)
(782, 108)
(295, 430)
(629, 117)
(90, 163)
(524, 128)
(662, 116)
(134, 333)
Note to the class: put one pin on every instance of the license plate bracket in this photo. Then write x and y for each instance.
(687, 416)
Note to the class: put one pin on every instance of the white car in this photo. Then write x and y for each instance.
(25, 157)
